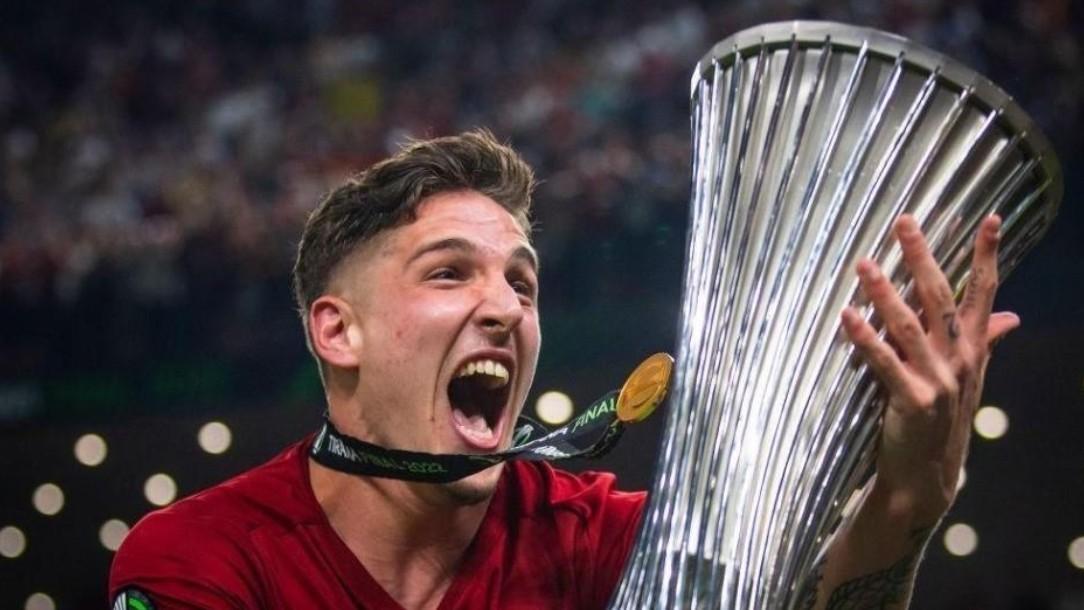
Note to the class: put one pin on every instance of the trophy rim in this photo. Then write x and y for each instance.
(952, 73)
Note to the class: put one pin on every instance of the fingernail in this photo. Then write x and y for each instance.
(849, 317)
(907, 225)
(871, 272)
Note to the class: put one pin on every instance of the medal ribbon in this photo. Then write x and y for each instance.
(592, 434)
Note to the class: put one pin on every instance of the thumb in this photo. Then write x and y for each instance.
(999, 325)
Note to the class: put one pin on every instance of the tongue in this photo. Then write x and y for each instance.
(473, 426)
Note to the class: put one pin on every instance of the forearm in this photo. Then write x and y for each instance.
(872, 561)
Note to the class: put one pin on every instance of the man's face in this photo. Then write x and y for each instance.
(449, 335)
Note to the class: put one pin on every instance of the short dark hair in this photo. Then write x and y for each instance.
(387, 194)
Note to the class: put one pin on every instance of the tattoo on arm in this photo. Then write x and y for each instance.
(876, 590)
(881, 590)
(809, 594)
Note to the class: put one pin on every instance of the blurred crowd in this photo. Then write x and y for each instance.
(159, 158)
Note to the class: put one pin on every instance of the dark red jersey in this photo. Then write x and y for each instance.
(550, 539)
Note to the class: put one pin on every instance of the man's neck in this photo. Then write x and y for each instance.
(411, 537)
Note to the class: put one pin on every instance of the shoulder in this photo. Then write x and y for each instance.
(203, 543)
(584, 515)
(273, 494)
(543, 488)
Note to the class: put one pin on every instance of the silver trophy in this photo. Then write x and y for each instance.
(809, 139)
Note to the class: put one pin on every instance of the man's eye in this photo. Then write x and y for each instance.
(444, 273)
(522, 287)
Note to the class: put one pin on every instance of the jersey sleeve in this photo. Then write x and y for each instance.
(185, 563)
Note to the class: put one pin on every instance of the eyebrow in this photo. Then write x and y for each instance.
(524, 252)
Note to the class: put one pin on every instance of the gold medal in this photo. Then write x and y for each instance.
(645, 388)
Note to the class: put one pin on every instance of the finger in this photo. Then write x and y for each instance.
(934, 292)
(901, 322)
(1001, 324)
(878, 355)
(978, 298)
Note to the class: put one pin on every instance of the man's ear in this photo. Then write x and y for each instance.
(333, 327)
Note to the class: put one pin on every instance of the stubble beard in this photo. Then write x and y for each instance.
(474, 489)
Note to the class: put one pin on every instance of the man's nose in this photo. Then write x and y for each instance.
(500, 311)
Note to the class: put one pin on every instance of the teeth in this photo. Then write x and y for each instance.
(490, 368)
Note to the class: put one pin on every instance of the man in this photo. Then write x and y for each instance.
(418, 289)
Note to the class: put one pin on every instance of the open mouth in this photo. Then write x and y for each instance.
(478, 395)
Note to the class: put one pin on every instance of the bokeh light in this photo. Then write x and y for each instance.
(1076, 553)
(39, 601)
(48, 499)
(215, 437)
(160, 489)
(991, 422)
(90, 450)
(12, 542)
(961, 539)
(112, 533)
(554, 408)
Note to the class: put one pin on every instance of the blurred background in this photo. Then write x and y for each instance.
(159, 158)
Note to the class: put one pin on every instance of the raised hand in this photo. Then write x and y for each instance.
(933, 369)
(932, 366)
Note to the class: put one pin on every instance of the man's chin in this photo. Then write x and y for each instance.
(476, 488)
